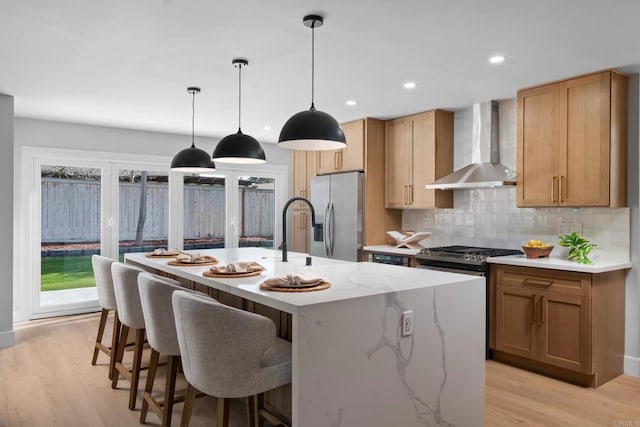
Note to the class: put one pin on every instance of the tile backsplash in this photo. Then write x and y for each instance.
(490, 217)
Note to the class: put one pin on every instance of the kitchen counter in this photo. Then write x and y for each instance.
(388, 249)
(351, 366)
(560, 263)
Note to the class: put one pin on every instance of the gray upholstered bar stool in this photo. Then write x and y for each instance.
(155, 296)
(107, 300)
(125, 284)
(228, 353)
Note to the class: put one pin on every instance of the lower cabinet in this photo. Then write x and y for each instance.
(566, 324)
(300, 233)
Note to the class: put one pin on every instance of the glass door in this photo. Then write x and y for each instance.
(204, 211)
(256, 211)
(70, 232)
(143, 204)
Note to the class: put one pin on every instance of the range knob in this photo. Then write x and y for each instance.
(467, 256)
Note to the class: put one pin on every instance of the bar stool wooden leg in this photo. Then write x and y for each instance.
(253, 411)
(222, 412)
(151, 376)
(170, 390)
(189, 401)
(96, 348)
(114, 343)
(135, 370)
(122, 342)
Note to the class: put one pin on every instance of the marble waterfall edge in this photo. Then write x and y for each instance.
(434, 377)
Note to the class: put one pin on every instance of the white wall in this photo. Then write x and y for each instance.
(490, 217)
(44, 133)
(6, 221)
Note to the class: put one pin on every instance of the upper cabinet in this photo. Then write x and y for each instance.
(304, 168)
(418, 151)
(572, 142)
(348, 159)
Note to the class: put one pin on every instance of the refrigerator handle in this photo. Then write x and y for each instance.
(331, 229)
(325, 233)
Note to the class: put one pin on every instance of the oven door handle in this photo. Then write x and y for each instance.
(451, 270)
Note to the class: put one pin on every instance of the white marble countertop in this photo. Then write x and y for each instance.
(559, 263)
(348, 279)
(388, 249)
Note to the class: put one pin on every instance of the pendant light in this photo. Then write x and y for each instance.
(239, 147)
(193, 159)
(312, 129)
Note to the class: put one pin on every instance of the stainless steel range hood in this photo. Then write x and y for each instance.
(486, 171)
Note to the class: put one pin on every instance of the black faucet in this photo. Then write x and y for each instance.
(284, 222)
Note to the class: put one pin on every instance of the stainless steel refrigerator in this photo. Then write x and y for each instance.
(338, 202)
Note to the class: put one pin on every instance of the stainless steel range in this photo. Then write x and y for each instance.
(465, 260)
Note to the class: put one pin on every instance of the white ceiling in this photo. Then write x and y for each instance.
(127, 63)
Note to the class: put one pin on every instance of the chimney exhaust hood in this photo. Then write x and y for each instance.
(486, 171)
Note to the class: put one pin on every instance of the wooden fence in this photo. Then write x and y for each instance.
(71, 211)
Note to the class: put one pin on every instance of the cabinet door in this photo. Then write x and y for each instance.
(565, 331)
(584, 151)
(300, 233)
(514, 321)
(327, 161)
(398, 164)
(423, 161)
(351, 158)
(304, 168)
(538, 142)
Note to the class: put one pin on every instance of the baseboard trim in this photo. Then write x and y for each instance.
(632, 366)
(7, 339)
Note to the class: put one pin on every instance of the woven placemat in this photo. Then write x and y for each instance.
(151, 255)
(210, 273)
(321, 286)
(191, 264)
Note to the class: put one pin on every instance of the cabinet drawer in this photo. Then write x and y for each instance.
(566, 282)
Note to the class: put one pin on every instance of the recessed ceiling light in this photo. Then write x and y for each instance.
(497, 59)
(267, 127)
(410, 85)
(351, 102)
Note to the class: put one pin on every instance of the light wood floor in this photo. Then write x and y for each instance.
(47, 380)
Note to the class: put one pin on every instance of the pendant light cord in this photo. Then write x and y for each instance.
(313, 63)
(239, 95)
(193, 119)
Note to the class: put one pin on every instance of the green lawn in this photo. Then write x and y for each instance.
(69, 272)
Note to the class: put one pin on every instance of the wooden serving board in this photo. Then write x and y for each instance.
(210, 273)
(319, 287)
(191, 264)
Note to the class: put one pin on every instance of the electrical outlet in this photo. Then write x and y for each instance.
(407, 323)
(576, 227)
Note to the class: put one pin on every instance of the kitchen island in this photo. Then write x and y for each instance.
(351, 364)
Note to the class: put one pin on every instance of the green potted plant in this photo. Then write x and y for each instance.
(579, 247)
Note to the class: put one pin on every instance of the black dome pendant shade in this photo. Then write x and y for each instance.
(192, 159)
(238, 147)
(312, 129)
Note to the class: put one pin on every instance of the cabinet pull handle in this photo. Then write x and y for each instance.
(541, 309)
(341, 159)
(560, 188)
(411, 194)
(533, 308)
(405, 195)
(537, 282)
(335, 160)
(553, 189)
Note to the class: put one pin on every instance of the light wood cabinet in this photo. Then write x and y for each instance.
(418, 150)
(566, 324)
(348, 159)
(303, 170)
(572, 139)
